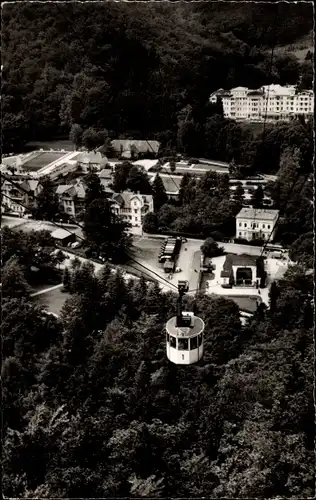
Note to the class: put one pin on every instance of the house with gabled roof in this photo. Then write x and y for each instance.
(132, 207)
(90, 160)
(240, 270)
(130, 149)
(106, 178)
(71, 197)
(20, 195)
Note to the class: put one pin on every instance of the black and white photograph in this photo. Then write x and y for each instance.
(157, 249)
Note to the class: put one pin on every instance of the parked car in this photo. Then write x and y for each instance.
(76, 244)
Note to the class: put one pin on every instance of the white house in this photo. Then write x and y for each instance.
(240, 270)
(90, 160)
(252, 224)
(132, 207)
(278, 102)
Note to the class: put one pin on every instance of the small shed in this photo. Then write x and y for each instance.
(63, 237)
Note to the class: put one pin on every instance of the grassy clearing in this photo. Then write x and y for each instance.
(52, 301)
(245, 303)
(56, 145)
(255, 127)
(298, 49)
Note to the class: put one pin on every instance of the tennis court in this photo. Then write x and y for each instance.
(40, 160)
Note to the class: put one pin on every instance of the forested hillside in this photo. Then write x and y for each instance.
(133, 68)
(92, 407)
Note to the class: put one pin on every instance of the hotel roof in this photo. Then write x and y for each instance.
(259, 213)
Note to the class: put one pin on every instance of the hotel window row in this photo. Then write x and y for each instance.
(254, 225)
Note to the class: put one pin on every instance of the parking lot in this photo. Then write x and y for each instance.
(146, 251)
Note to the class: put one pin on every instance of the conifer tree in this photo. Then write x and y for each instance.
(75, 263)
(257, 197)
(66, 280)
(103, 277)
(47, 204)
(154, 299)
(159, 193)
(94, 189)
(239, 194)
(273, 296)
(14, 283)
(185, 181)
(83, 279)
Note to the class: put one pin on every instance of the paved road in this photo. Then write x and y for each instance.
(194, 274)
(29, 224)
(46, 290)
(228, 247)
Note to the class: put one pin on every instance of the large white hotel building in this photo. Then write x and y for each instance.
(279, 103)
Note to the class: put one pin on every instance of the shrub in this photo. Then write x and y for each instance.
(210, 248)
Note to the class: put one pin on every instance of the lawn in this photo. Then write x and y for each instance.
(53, 301)
(147, 250)
(57, 144)
(245, 303)
(255, 127)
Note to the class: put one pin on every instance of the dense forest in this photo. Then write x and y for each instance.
(93, 408)
(134, 68)
(91, 405)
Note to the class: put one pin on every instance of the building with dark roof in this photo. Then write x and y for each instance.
(71, 197)
(132, 207)
(129, 149)
(240, 270)
(63, 237)
(16, 197)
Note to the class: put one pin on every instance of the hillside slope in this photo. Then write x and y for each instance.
(124, 66)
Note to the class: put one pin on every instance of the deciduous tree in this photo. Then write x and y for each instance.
(75, 135)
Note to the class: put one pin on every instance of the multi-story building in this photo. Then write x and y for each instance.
(106, 178)
(273, 101)
(132, 207)
(17, 197)
(71, 198)
(256, 224)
